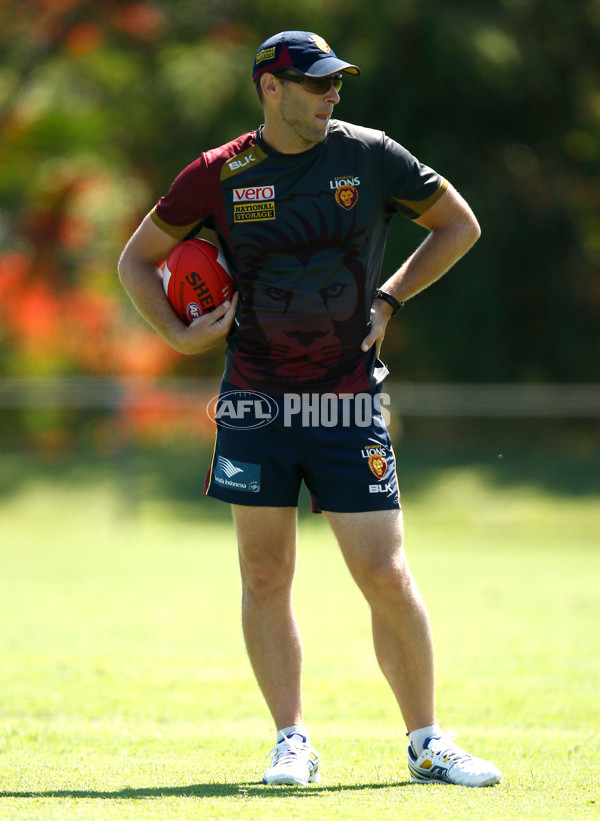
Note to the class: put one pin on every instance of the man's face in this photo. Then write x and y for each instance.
(306, 114)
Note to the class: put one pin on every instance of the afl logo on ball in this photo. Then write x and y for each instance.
(346, 196)
(193, 311)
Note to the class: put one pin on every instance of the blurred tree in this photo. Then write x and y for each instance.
(102, 103)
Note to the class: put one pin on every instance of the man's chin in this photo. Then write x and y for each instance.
(323, 130)
(317, 133)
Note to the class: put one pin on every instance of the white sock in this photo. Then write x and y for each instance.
(286, 732)
(420, 736)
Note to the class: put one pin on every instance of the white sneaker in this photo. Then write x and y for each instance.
(444, 762)
(294, 762)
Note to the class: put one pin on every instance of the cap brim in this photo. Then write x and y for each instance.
(327, 65)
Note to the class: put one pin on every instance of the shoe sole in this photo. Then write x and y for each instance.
(290, 781)
(416, 779)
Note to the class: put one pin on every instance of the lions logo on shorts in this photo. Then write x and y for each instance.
(378, 465)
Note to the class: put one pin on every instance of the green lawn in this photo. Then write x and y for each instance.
(126, 693)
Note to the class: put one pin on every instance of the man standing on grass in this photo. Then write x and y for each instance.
(306, 257)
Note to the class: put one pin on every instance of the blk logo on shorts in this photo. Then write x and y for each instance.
(382, 489)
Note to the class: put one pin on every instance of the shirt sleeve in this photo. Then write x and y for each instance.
(411, 187)
(186, 203)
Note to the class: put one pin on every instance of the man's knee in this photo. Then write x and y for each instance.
(267, 549)
(383, 577)
(266, 574)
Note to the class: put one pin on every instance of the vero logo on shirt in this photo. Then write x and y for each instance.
(259, 194)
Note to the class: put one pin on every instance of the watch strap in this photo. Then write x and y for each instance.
(391, 300)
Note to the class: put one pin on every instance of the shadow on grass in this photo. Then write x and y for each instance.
(211, 790)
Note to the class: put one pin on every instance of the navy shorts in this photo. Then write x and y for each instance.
(265, 448)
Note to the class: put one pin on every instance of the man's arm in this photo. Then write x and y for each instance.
(139, 272)
(453, 230)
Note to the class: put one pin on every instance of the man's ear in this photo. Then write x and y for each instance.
(270, 85)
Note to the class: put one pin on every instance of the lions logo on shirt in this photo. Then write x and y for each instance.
(346, 196)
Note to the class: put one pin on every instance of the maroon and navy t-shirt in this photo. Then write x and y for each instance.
(304, 235)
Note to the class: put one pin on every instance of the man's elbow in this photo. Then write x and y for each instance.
(121, 266)
(471, 231)
(124, 267)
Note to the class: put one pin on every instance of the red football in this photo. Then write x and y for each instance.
(196, 279)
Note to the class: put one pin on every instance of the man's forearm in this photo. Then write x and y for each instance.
(142, 282)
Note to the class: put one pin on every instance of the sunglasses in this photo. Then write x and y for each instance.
(315, 85)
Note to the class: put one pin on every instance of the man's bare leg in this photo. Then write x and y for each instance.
(372, 547)
(267, 553)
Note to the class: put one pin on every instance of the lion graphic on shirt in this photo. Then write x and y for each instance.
(304, 324)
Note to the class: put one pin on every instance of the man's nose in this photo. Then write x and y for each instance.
(332, 96)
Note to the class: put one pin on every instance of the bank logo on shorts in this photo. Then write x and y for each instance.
(254, 204)
(236, 475)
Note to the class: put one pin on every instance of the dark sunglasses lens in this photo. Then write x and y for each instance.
(322, 85)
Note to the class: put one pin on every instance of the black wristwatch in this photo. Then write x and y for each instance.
(391, 300)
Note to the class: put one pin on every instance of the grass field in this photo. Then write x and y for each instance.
(126, 693)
